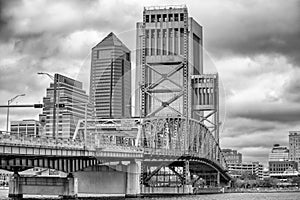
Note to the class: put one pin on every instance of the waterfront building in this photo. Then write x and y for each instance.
(27, 127)
(280, 168)
(110, 79)
(169, 51)
(232, 156)
(294, 146)
(74, 106)
(279, 153)
(4, 177)
(236, 170)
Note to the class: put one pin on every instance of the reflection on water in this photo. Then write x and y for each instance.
(228, 196)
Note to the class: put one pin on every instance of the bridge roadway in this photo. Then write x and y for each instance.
(142, 170)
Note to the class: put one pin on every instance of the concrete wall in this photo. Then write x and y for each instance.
(101, 182)
(42, 186)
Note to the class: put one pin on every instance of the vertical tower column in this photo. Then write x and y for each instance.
(187, 187)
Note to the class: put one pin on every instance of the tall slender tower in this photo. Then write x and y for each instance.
(110, 80)
(169, 69)
(169, 51)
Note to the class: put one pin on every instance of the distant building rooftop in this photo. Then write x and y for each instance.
(165, 7)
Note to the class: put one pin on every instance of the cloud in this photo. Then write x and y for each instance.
(248, 31)
(253, 45)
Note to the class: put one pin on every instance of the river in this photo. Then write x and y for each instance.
(226, 196)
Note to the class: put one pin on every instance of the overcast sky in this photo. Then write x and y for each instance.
(254, 45)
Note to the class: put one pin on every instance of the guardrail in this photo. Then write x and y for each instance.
(37, 141)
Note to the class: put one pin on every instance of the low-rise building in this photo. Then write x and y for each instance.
(232, 156)
(27, 127)
(237, 170)
(278, 168)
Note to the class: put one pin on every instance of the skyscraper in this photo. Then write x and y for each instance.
(70, 93)
(294, 146)
(169, 51)
(110, 80)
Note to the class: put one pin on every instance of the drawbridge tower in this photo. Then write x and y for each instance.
(169, 75)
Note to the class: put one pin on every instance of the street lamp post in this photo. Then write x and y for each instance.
(7, 114)
(55, 80)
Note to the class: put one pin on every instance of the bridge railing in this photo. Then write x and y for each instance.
(114, 147)
(40, 141)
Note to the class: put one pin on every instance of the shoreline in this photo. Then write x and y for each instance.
(262, 191)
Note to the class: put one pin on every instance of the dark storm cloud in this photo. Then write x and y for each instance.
(256, 27)
(63, 17)
(4, 21)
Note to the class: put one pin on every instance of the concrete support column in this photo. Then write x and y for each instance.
(133, 179)
(70, 187)
(188, 188)
(15, 192)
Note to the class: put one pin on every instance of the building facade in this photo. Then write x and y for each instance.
(237, 170)
(169, 52)
(28, 128)
(110, 79)
(294, 146)
(232, 156)
(279, 153)
(277, 168)
(70, 93)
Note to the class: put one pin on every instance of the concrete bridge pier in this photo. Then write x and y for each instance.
(133, 179)
(70, 187)
(14, 187)
(66, 187)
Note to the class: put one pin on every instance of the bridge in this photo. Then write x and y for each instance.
(152, 156)
(171, 146)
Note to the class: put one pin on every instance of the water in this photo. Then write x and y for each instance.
(228, 196)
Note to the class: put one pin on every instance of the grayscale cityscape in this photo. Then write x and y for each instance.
(149, 99)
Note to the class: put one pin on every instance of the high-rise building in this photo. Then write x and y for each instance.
(294, 146)
(169, 51)
(110, 80)
(27, 127)
(279, 153)
(232, 156)
(70, 93)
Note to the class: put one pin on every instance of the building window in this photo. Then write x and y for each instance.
(152, 18)
(170, 19)
(128, 57)
(159, 18)
(181, 17)
(176, 17)
(165, 19)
